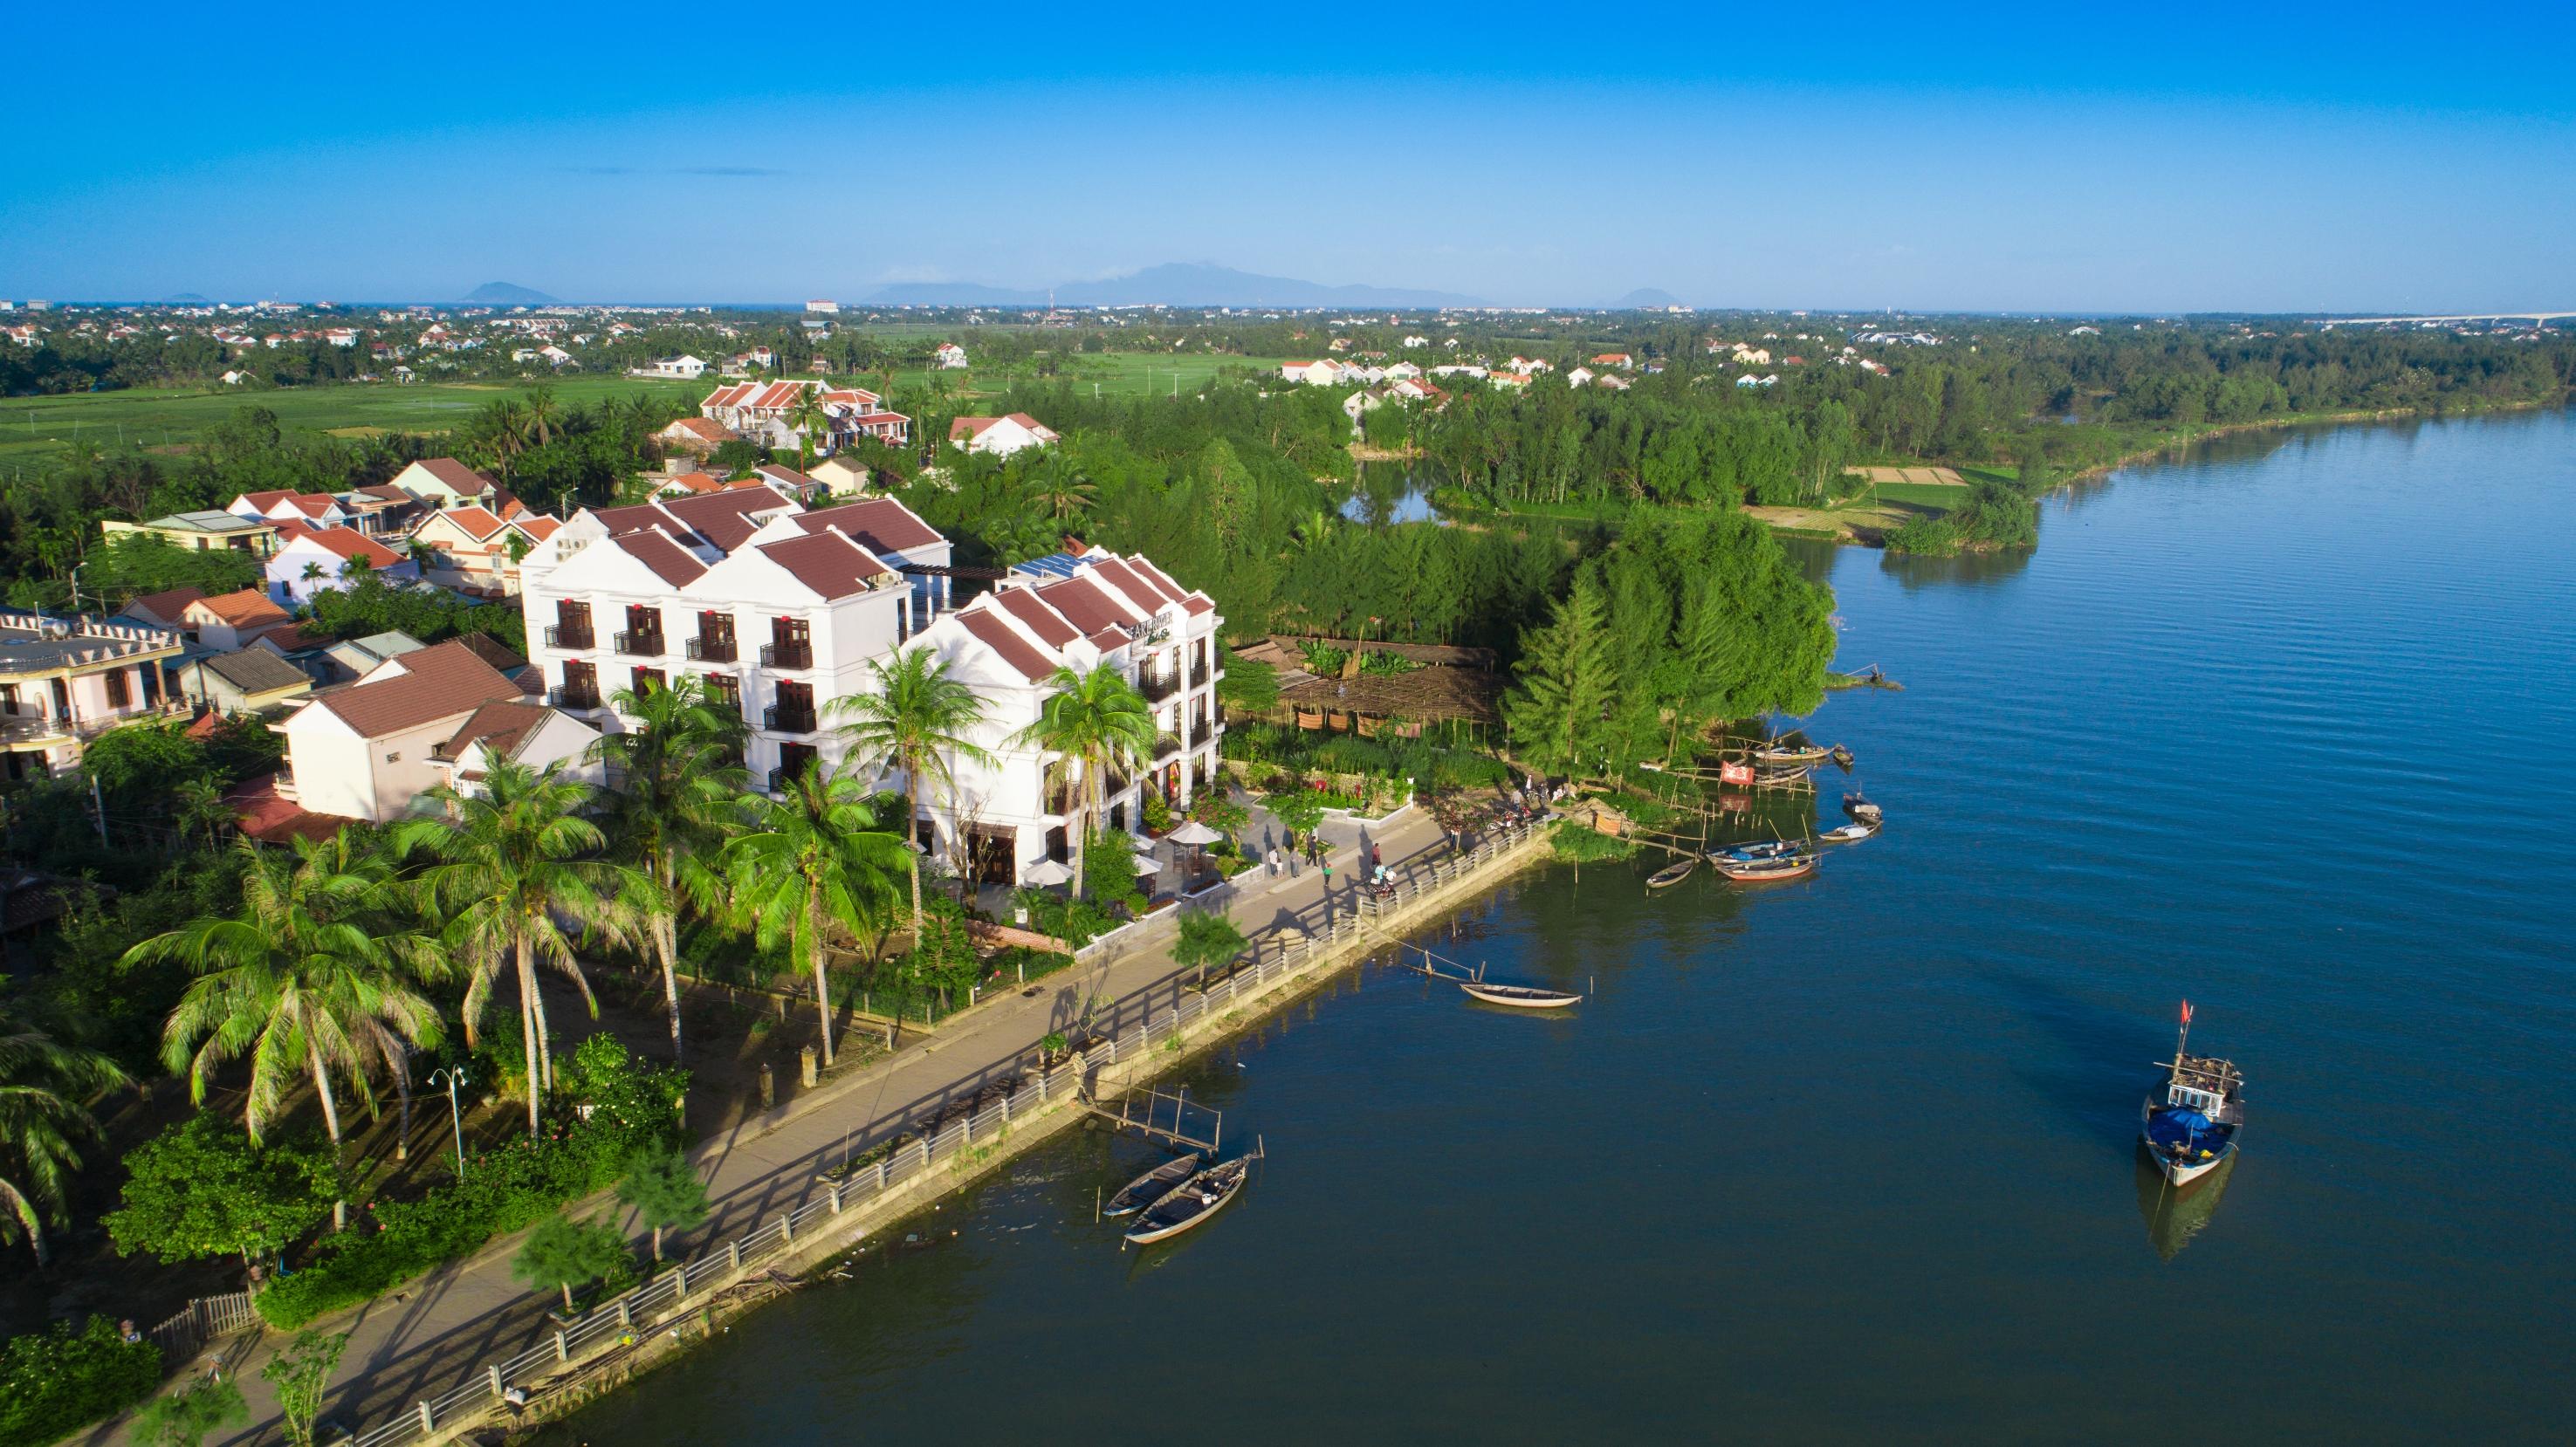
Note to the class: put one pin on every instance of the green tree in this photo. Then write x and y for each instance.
(679, 788)
(515, 863)
(912, 716)
(43, 1084)
(665, 1191)
(807, 862)
(185, 1417)
(1099, 718)
(1208, 937)
(54, 1382)
(301, 1373)
(310, 979)
(565, 1253)
(202, 1189)
(807, 416)
(1567, 684)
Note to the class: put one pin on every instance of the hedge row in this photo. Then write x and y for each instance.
(56, 1382)
(507, 1190)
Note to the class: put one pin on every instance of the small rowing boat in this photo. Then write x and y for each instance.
(1759, 849)
(1152, 1186)
(1519, 997)
(1847, 833)
(1671, 874)
(1843, 755)
(1862, 809)
(1767, 871)
(1191, 1202)
(1784, 754)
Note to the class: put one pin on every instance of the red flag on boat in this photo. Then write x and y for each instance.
(2186, 1012)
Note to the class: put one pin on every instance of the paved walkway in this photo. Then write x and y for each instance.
(432, 1335)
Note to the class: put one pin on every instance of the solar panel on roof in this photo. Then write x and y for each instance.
(1053, 565)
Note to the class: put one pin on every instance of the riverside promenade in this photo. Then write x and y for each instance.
(437, 1332)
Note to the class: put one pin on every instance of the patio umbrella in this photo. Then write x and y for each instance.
(1145, 856)
(1198, 836)
(1046, 873)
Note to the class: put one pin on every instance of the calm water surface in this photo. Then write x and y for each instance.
(2283, 728)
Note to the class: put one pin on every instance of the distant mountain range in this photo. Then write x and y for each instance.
(504, 293)
(1173, 284)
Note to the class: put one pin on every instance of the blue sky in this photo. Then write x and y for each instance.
(2246, 157)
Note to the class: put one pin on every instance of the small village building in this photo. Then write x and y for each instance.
(64, 681)
(369, 750)
(249, 680)
(228, 621)
(999, 436)
(444, 482)
(317, 560)
(949, 357)
(204, 531)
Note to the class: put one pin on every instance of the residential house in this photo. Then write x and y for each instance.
(64, 681)
(1411, 390)
(999, 436)
(249, 680)
(1311, 373)
(311, 509)
(1508, 379)
(1071, 610)
(443, 482)
(314, 560)
(839, 475)
(1367, 399)
(1579, 377)
(1409, 343)
(764, 412)
(687, 368)
(369, 750)
(381, 509)
(528, 734)
(1620, 360)
(473, 550)
(205, 531)
(949, 357)
(697, 436)
(1403, 371)
(161, 610)
(778, 607)
(231, 620)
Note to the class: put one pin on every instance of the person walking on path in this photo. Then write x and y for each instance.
(1273, 861)
(1315, 853)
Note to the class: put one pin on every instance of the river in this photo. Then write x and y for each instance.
(2282, 727)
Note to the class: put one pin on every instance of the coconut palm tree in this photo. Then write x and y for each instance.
(1061, 487)
(515, 863)
(310, 980)
(679, 784)
(914, 717)
(542, 411)
(1099, 718)
(809, 860)
(808, 416)
(42, 1084)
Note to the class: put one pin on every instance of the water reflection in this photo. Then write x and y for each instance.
(1914, 571)
(1385, 496)
(2175, 1214)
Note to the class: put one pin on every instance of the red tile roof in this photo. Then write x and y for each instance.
(248, 606)
(830, 564)
(478, 523)
(1139, 593)
(706, 429)
(881, 524)
(1045, 622)
(993, 633)
(352, 545)
(165, 606)
(669, 561)
(1082, 601)
(499, 726)
(460, 478)
(724, 518)
(435, 682)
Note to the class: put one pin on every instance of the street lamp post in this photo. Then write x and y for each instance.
(453, 1076)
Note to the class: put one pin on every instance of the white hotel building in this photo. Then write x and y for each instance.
(781, 609)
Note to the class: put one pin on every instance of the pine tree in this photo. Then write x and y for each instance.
(1567, 682)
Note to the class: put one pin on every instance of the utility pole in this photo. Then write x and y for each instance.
(98, 810)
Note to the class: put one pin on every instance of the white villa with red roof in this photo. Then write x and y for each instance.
(1072, 610)
(315, 560)
(471, 548)
(315, 509)
(763, 411)
(444, 482)
(999, 436)
(780, 608)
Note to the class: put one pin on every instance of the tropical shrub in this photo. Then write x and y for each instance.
(634, 1105)
(54, 1382)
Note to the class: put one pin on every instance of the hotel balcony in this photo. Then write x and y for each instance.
(573, 697)
(1166, 746)
(787, 655)
(713, 650)
(788, 718)
(570, 637)
(1199, 676)
(1158, 686)
(639, 645)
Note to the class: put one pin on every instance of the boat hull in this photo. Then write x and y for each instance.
(1228, 1186)
(1766, 873)
(1535, 1000)
(2182, 1166)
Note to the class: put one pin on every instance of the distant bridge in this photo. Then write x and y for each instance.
(2543, 318)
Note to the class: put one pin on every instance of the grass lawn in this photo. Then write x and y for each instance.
(1110, 374)
(35, 431)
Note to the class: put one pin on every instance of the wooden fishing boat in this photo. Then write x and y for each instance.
(1847, 834)
(1767, 871)
(1519, 997)
(1777, 754)
(1862, 809)
(1191, 1202)
(1671, 874)
(2190, 1127)
(1757, 849)
(1843, 755)
(1152, 1186)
